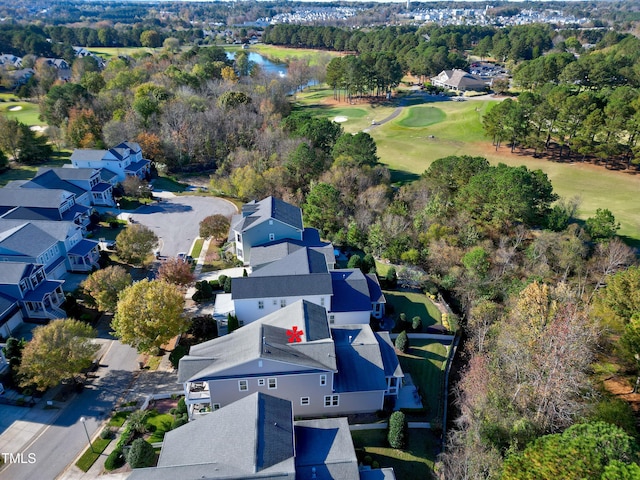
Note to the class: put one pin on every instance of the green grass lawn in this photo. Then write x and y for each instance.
(24, 112)
(27, 172)
(168, 184)
(90, 455)
(422, 117)
(415, 461)
(284, 54)
(413, 304)
(425, 360)
(158, 424)
(118, 418)
(108, 52)
(197, 248)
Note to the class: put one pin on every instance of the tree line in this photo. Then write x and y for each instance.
(585, 108)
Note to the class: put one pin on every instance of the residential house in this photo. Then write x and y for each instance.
(83, 52)
(10, 60)
(62, 66)
(19, 77)
(259, 223)
(42, 204)
(86, 183)
(460, 81)
(257, 437)
(272, 251)
(294, 354)
(27, 293)
(123, 160)
(348, 295)
(57, 245)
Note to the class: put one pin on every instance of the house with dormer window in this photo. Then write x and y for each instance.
(294, 354)
(259, 223)
(32, 295)
(267, 443)
(123, 160)
(59, 246)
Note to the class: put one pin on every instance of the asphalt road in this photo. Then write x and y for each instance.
(176, 220)
(60, 443)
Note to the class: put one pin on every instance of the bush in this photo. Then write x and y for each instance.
(106, 433)
(203, 328)
(177, 353)
(416, 323)
(182, 406)
(215, 284)
(232, 323)
(402, 341)
(355, 261)
(221, 280)
(397, 427)
(114, 460)
(141, 454)
(178, 422)
(227, 285)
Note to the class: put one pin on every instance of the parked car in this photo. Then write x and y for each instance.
(184, 257)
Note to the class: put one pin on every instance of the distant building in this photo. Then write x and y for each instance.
(460, 81)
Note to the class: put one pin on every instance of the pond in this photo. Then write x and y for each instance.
(266, 65)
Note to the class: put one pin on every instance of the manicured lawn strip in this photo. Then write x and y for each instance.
(284, 54)
(382, 268)
(108, 52)
(358, 118)
(416, 461)
(168, 184)
(413, 304)
(118, 419)
(27, 114)
(89, 457)
(425, 361)
(162, 424)
(422, 117)
(197, 248)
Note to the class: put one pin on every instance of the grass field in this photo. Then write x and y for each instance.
(415, 461)
(24, 112)
(425, 360)
(158, 425)
(108, 52)
(92, 454)
(413, 304)
(408, 150)
(422, 117)
(284, 54)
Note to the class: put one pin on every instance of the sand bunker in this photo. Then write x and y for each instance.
(340, 119)
(37, 128)
(15, 108)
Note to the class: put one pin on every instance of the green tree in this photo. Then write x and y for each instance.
(149, 314)
(360, 148)
(58, 351)
(402, 341)
(602, 226)
(477, 262)
(230, 100)
(618, 470)
(151, 39)
(397, 430)
(104, 286)
(323, 208)
(141, 454)
(582, 451)
(215, 226)
(135, 243)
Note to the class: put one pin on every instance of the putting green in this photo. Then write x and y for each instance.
(422, 117)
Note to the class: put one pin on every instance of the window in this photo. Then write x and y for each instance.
(261, 382)
(272, 383)
(260, 304)
(216, 406)
(304, 401)
(323, 380)
(332, 319)
(275, 302)
(322, 301)
(331, 400)
(243, 385)
(283, 302)
(272, 237)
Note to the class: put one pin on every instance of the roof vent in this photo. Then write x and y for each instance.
(350, 338)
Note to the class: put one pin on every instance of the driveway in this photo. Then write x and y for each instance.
(176, 219)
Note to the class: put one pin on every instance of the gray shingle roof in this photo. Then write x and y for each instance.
(360, 366)
(375, 291)
(32, 213)
(7, 304)
(24, 240)
(350, 291)
(325, 448)
(251, 436)
(88, 154)
(66, 173)
(44, 198)
(12, 272)
(47, 178)
(301, 262)
(133, 146)
(281, 286)
(272, 251)
(267, 339)
(254, 213)
(390, 359)
(378, 474)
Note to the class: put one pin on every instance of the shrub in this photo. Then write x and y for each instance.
(402, 341)
(221, 280)
(397, 427)
(215, 284)
(232, 323)
(367, 460)
(178, 422)
(114, 460)
(137, 421)
(106, 433)
(416, 323)
(177, 353)
(141, 454)
(227, 285)
(355, 261)
(182, 406)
